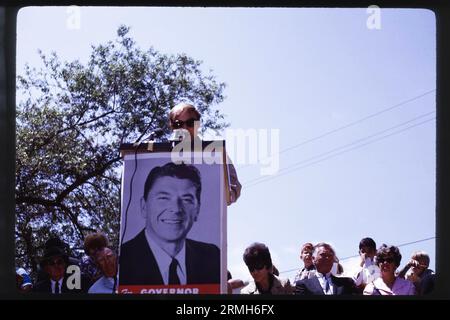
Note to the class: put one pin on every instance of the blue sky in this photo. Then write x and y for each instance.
(304, 72)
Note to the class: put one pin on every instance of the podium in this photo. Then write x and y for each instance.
(173, 218)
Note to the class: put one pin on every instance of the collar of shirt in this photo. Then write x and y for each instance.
(103, 285)
(397, 288)
(322, 281)
(368, 262)
(269, 290)
(108, 282)
(52, 282)
(164, 260)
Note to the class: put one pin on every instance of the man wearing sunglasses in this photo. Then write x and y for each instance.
(259, 263)
(54, 263)
(186, 116)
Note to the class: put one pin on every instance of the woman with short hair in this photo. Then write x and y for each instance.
(259, 262)
(388, 260)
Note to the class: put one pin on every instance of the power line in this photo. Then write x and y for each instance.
(344, 146)
(295, 166)
(355, 256)
(350, 124)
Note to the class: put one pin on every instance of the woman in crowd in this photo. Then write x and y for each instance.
(388, 260)
(259, 262)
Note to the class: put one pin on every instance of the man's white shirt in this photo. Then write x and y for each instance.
(367, 273)
(164, 260)
(323, 282)
(53, 283)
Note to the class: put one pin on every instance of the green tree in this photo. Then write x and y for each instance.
(70, 123)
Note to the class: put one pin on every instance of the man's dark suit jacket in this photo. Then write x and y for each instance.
(45, 286)
(138, 265)
(311, 286)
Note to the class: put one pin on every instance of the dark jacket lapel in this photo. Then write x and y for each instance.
(138, 264)
(315, 288)
(150, 269)
(340, 285)
(191, 258)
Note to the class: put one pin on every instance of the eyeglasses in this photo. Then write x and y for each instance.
(177, 124)
(58, 262)
(256, 267)
(387, 260)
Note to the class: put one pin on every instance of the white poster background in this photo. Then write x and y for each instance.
(210, 226)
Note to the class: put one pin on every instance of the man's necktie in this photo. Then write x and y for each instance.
(57, 287)
(173, 276)
(327, 286)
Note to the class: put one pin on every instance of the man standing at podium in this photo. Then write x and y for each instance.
(161, 254)
(186, 116)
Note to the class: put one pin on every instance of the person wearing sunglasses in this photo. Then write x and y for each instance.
(54, 263)
(259, 263)
(186, 116)
(388, 260)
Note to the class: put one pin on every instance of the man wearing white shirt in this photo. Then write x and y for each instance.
(324, 282)
(106, 260)
(164, 261)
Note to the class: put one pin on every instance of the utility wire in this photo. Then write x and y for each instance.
(350, 124)
(343, 146)
(295, 166)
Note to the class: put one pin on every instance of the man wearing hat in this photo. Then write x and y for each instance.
(55, 262)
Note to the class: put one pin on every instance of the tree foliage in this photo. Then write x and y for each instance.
(70, 122)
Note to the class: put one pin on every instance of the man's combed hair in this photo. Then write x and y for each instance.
(324, 245)
(257, 253)
(180, 171)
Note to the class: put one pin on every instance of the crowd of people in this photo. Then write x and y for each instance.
(95, 272)
(322, 274)
(378, 271)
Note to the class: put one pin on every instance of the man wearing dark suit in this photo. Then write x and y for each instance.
(55, 263)
(161, 254)
(323, 282)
